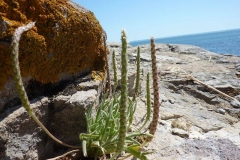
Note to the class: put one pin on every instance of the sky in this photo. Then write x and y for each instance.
(143, 19)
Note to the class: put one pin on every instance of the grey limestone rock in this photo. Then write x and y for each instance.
(68, 119)
(206, 124)
(235, 104)
(20, 134)
(62, 114)
(181, 123)
(238, 67)
(220, 110)
(180, 132)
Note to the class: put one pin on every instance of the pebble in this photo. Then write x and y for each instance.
(235, 104)
(220, 110)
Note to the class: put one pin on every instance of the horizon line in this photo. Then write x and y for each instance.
(190, 34)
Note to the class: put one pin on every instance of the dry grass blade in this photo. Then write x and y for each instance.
(74, 154)
(177, 70)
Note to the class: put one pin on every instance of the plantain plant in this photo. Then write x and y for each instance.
(107, 131)
(102, 135)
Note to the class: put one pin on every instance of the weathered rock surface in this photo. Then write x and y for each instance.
(75, 107)
(20, 137)
(196, 123)
(63, 114)
(66, 42)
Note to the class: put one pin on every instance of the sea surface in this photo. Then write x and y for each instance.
(222, 42)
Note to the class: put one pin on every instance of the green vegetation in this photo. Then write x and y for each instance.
(103, 130)
(108, 130)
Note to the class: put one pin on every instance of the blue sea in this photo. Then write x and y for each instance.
(222, 42)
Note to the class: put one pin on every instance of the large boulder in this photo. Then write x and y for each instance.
(66, 42)
(62, 62)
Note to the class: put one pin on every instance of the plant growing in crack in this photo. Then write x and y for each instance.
(108, 131)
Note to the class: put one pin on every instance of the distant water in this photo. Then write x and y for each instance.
(222, 42)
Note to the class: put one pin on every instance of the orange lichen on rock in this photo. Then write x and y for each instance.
(67, 39)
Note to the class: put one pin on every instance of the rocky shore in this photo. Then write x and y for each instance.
(62, 62)
(196, 122)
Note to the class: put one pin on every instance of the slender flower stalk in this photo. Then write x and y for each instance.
(114, 68)
(18, 80)
(138, 75)
(148, 98)
(148, 102)
(156, 105)
(107, 66)
(16, 67)
(123, 101)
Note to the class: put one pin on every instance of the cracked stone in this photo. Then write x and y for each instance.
(180, 133)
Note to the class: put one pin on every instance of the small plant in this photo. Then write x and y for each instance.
(103, 128)
(107, 132)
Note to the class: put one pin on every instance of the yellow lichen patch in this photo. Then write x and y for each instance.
(65, 40)
(98, 75)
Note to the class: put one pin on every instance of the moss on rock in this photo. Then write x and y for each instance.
(66, 39)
